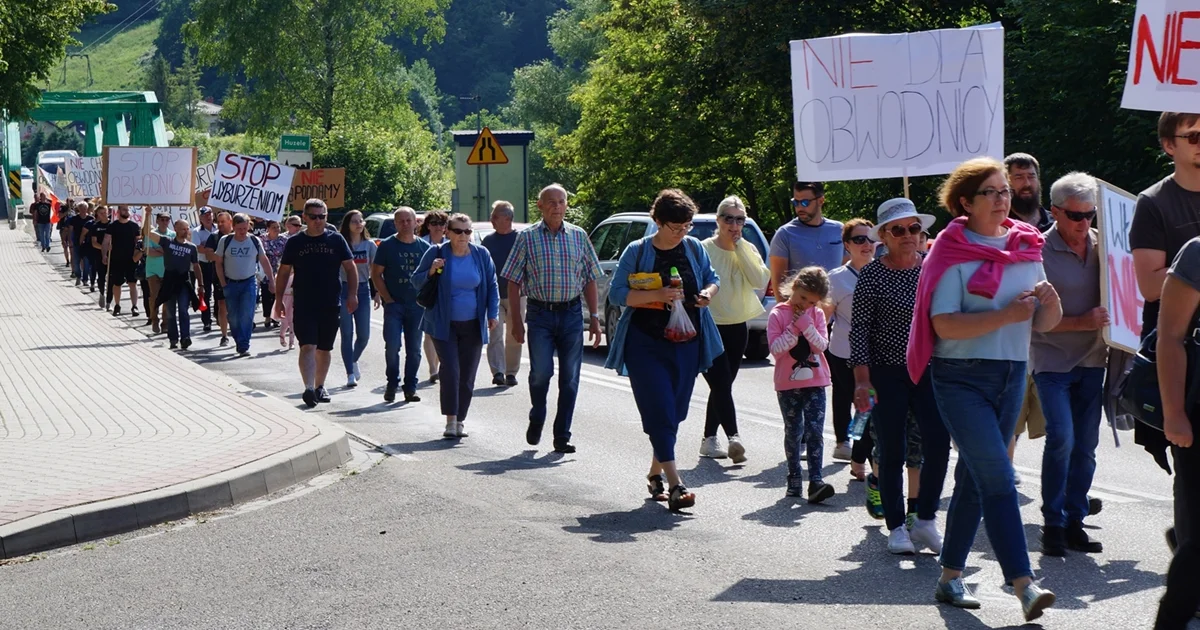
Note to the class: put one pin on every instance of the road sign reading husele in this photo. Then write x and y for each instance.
(486, 150)
(295, 143)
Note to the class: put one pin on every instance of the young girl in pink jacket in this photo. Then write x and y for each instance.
(796, 332)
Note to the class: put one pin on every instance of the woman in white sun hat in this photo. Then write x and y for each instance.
(884, 301)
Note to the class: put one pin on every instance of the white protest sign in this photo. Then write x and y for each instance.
(83, 175)
(258, 187)
(298, 159)
(1118, 282)
(161, 176)
(177, 213)
(1164, 57)
(868, 106)
(204, 181)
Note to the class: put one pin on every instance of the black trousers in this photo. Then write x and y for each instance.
(842, 375)
(1179, 604)
(268, 299)
(209, 271)
(720, 377)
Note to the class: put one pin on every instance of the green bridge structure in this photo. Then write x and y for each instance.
(109, 119)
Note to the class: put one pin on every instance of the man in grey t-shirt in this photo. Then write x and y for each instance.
(809, 239)
(238, 257)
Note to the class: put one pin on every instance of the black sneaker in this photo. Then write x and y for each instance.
(411, 397)
(185, 343)
(563, 447)
(208, 328)
(116, 311)
(224, 342)
(1094, 506)
(1054, 542)
(1078, 540)
(310, 398)
(794, 490)
(510, 380)
(533, 434)
(322, 395)
(498, 380)
(389, 394)
(819, 491)
(174, 346)
(1172, 543)
(133, 312)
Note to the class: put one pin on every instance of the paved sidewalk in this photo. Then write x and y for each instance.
(155, 438)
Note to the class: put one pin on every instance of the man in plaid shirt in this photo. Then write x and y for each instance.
(553, 263)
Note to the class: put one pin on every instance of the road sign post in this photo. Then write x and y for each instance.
(295, 142)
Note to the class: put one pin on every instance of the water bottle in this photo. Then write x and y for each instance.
(858, 426)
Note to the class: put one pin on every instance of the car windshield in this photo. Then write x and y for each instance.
(705, 229)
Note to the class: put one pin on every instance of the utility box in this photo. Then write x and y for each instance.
(476, 187)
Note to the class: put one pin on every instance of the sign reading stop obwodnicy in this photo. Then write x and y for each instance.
(258, 187)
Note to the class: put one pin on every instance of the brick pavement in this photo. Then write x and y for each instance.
(92, 410)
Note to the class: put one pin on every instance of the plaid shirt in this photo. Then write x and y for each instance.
(552, 267)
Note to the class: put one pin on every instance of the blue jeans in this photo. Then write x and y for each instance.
(1071, 402)
(402, 320)
(75, 262)
(352, 348)
(803, 423)
(662, 374)
(979, 400)
(42, 230)
(240, 296)
(179, 321)
(547, 333)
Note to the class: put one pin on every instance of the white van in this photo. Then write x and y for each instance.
(53, 162)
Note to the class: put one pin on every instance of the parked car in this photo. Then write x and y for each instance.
(616, 232)
(380, 226)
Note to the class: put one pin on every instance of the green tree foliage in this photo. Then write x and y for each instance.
(178, 91)
(57, 140)
(34, 35)
(311, 63)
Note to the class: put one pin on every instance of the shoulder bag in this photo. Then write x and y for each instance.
(427, 297)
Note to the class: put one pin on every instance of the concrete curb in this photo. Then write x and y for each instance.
(247, 482)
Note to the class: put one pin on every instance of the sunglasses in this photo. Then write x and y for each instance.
(1192, 138)
(801, 203)
(861, 239)
(461, 231)
(731, 220)
(316, 217)
(436, 224)
(1079, 216)
(913, 229)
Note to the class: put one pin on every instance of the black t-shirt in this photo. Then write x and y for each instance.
(77, 222)
(124, 239)
(1165, 218)
(96, 233)
(86, 225)
(64, 218)
(315, 260)
(178, 257)
(653, 322)
(41, 212)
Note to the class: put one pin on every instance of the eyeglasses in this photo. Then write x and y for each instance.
(900, 230)
(316, 217)
(801, 203)
(732, 220)
(1079, 216)
(682, 229)
(1192, 137)
(862, 239)
(993, 195)
(461, 231)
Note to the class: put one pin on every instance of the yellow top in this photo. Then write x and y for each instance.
(741, 271)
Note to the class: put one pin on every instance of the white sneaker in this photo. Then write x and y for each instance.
(451, 431)
(711, 447)
(351, 380)
(462, 433)
(357, 372)
(737, 452)
(899, 542)
(842, 452)
(925, 534)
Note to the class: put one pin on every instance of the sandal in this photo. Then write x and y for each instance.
(680, 498)
(657, 487)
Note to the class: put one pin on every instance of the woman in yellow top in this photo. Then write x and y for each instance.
(742, 271)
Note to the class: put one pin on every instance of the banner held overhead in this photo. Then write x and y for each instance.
(868, 106)
(158, 176)
(258, 187)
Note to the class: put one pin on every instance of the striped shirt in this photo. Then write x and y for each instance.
(550, 266)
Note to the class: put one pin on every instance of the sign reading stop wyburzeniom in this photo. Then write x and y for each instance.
(295, 142)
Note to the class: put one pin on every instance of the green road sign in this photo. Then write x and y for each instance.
(295, 143)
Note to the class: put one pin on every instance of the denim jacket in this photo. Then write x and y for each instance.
(639, 257)
(436, 321)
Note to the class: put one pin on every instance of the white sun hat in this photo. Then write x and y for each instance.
(896, 209)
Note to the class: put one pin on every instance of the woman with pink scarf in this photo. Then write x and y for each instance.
(982, 292)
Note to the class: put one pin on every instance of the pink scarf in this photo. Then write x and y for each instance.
(952, 248)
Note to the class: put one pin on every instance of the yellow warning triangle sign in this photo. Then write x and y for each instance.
(486, 150)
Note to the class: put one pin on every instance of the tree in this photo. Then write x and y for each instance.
(158, 80)
(34, 35)
(186, 92)
(311, 63)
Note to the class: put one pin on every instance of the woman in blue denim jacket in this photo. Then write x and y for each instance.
(468, 304)
(662, 372)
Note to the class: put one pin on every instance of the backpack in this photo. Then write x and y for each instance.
(1138, 393)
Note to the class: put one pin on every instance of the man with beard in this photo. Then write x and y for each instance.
(41, 210)
(95, 236)
(80, 265)
(809, 239)
(1024, 175)
(120, 245)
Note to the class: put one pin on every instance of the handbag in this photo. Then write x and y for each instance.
(1139, 394)
(428, 295)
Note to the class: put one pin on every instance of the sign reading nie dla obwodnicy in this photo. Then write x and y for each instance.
(258, 187)
(867, 106)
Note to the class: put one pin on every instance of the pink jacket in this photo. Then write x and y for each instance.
(783, 332)
(952, 248)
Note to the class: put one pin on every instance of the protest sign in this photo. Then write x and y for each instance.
(149, 175)
(326, 184)
(867, 106)
(83, 175)
(1118, 282)
(1164, 58)
(258, 187)
(204, 181)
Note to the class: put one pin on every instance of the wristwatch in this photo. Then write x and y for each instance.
(595, 315)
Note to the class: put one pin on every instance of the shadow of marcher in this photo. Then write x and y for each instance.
(624, 527)
(403, 448)
(525, 460)
(709, 471)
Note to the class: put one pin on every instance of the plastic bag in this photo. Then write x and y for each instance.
(679, 327)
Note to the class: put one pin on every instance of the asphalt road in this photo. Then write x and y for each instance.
(491, 533)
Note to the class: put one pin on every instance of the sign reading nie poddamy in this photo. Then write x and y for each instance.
(158, 176)
(258, 187)
(868, 106)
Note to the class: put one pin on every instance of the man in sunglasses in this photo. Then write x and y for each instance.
(1024, 174)
(1069, 365)
(809, 239)
(315, 256)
